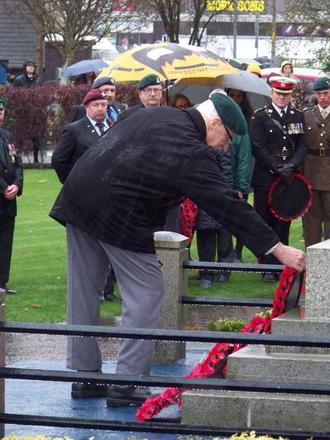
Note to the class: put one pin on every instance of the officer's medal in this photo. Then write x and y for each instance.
(12, 153)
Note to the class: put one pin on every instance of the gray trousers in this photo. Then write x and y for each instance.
(140, 282)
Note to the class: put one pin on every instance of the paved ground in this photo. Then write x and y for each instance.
(53, 399)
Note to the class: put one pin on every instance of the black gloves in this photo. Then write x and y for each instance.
(285, 169)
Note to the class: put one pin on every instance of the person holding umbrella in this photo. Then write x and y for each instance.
(113, 199)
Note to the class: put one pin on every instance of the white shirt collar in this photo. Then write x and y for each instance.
(327, 109)
(279, 109)
(93, 122)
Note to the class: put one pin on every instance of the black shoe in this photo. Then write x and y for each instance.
(10, 292)
(269, 277)
(127, 395)
(111, 297)
(86, 390)
(7, 291)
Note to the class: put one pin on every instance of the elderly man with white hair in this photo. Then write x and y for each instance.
(110, 204)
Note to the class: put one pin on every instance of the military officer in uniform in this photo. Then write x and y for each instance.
(279, 146)
(11, 185)
(317, 162)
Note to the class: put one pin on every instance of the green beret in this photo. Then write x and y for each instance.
(230, 113)
(322, 83)
(149, 80)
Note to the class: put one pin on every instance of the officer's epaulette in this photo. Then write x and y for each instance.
(305, 109)
(259, 109)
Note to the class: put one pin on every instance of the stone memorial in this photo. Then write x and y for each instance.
(277, 411)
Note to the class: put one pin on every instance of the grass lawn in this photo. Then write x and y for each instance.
(38, 270)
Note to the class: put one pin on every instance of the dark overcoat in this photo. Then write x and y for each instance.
(11, 172)
(118, 191)
(268, 141)
(76, 139)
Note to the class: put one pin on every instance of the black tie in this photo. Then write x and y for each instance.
(101, 127)
(282, 113)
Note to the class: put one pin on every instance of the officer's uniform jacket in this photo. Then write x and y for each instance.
(275, 141)
(11, 172)
(317, 161)
(77, 138)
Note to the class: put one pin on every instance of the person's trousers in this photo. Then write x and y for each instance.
(212, 242)
(7, 226)
(281, 228)
(140, 282)
(317, 217)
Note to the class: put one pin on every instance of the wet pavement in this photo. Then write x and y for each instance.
(53, 399)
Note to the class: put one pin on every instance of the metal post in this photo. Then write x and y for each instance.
(235, 30)
(273, 52)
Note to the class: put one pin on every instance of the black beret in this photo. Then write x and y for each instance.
(322, 83)
(29, 63)
(229, 112)
(103, 81)
(149, 80)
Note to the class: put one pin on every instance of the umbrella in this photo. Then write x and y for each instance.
(198, 89)
(84, 66)
(168, 61)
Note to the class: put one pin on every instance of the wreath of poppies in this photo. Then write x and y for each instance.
(215, 364)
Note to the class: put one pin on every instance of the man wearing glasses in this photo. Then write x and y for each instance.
(150, 92)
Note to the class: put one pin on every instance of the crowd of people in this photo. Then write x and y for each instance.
(126, 174)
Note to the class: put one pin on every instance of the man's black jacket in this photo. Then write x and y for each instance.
(11, 172)
(77, 138)
(268, 141)
(118, 191)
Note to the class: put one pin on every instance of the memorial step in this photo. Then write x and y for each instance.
(249, 411)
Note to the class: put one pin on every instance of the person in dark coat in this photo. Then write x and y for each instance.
(11, 186)
(29, 79)
(81, 135)
(110, 204)
(107, 85)
(279, 147)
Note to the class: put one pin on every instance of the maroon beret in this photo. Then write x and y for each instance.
(93, 95)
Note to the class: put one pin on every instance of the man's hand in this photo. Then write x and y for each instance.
(290, 256)
(10, 192)
(286, 169)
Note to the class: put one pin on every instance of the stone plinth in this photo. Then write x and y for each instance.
(294, 323)
(229, 409)
(279, 367)
(317, 301)
(171, 251)
(282, 412)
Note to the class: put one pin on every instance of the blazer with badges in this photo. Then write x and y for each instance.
(11, 171)
(275, 141)
(317, 161)
(77, 138)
